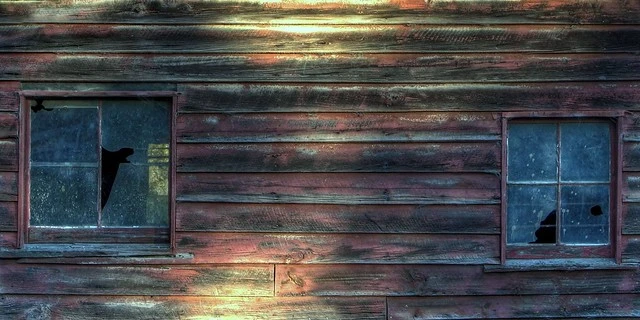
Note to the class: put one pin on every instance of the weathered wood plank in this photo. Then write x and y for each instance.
(631, 180)
(338, 248)
(8, 125)
(322, 12)
(175, 307)
(508, 307)
(631, 218)
(8, 161)
(294, 218)
(340, 157)
(436, 280)
(321, 68)
(237, 280)
(84, 38)
(9, 100)
(631, 249)
(7, 241)
(339, 188)
(226, 98)
(338, 127)
(8, 185)
(631, 160)
(8, 216)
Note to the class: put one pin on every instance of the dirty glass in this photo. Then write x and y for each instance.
(560, 166)
(585, 214)
(527, 207)
(65, 131)
(99, 163)
(531, 152)
(139, 195)
(585, 152)
(64, 196)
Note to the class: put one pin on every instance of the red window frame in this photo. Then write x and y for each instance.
(99, 236)
(536, 251)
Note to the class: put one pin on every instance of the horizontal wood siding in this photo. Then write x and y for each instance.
(335, 159)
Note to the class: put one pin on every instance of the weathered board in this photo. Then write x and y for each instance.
(85, 38)
(279, 248)
(327, 218)
(163, 307)
(437, 280)
(321, 68)
(340, 188)
(571, 96)
(324, 12)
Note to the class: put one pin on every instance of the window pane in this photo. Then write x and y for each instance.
(586, 152)
(66, 131)
(531, 152)
(139, 197)
(585, 214)
(527, 207)
(64, 196)
(140, 177)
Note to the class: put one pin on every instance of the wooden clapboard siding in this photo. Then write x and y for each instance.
(8, 154)
(8, 216)
(339, 188)
(350, 68)
(324, 12)
(233, 98)
(328, 218)
(341, 248)
(336, 159)
(340, 157)
(512, 307)
(437, 280)
(237, 280)
(84, 38)
(338, 127)
(161, 307)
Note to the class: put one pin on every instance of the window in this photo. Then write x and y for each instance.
(97, 170)
(560, 188)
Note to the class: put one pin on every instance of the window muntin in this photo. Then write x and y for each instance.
(99, 165)
(559, 166)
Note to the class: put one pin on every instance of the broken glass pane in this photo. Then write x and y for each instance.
(585, 214)
(531, 153)
(586, 150)
(140, 187)
(528, 206)
(64, 196)
(64, 131)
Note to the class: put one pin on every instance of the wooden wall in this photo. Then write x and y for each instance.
(335, 160)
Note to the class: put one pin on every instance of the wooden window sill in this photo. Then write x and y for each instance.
(525, 265)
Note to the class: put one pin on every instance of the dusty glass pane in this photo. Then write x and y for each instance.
(531, 152)
(135, 124)
(138, 134)
(585, 152)
(64, 196)
(585, 214)
(137, 198)
(527, 207)
(64, 131)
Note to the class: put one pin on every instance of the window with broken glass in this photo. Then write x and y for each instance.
(98, 170)
(559, 187)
